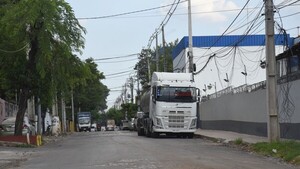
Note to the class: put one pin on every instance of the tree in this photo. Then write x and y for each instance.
(92, 95)
(115, 114)
(142, 67)
(130, 109)
(48, 33)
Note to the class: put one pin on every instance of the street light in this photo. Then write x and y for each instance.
(210, 86)
(205, 89)
(227, 80)
(245, 74)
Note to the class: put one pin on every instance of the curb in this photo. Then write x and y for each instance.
(214, 139)
(10, 144)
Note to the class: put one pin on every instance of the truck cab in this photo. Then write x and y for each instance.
(171, 105)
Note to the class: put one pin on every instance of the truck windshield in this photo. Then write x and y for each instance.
(84, 120)
(176, 94)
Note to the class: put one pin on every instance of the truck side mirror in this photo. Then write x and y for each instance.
(198, 95)
(153, 99)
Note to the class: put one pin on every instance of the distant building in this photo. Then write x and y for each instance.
(7, 110)
(288, 63)
(226, 61)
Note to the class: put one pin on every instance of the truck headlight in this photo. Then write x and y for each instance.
(193, 123)
(158, 122)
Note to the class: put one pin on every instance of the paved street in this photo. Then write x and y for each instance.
(126, 150)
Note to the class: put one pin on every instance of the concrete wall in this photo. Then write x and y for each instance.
(246, 112)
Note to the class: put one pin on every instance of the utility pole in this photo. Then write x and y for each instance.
(164, 48)
(190, 52)
(73, 116)
(131, 89)
(39, 111)
(63, 115)
(272, 105)
(157, 55)
(148, 65)
(138, 91)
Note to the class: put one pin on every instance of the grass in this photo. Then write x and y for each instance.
(25, 146)
(287, 150)
(238, 141)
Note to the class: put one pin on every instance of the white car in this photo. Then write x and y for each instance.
(93, 127)
(8, 126)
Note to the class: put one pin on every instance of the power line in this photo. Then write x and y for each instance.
(117, 61)
(118, 73)
(289, 4)
(164, 22)
(225, 32)
(127, 13)
(14, 51)
(117, 57)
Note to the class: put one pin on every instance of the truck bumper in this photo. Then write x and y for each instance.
(174, 130)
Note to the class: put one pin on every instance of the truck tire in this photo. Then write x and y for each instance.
(140, 131)
(154, 134)
(147, 132)
(190, 135)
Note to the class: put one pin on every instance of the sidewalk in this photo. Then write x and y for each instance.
(228, 136)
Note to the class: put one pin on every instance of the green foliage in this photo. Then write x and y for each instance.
(119, 115)
(37, 42)
(130, 108)
(142, 68)
(115, 114)
(238, 141)
(288, 150)
(92, 95)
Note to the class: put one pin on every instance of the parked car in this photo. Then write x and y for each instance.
(98, 126)
(132, 125)
(8, 126)
(125, 125)
(93, 127)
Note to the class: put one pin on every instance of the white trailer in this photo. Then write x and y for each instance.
(169, 106)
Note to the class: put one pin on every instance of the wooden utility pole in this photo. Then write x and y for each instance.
(272, 105)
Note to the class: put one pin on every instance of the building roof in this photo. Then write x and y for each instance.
(230, 40)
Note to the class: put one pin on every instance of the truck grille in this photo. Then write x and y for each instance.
(176, 121)
(176, 112)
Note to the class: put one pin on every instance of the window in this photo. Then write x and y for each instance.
(176, 94)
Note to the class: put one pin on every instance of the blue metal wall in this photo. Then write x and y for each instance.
(230, 40)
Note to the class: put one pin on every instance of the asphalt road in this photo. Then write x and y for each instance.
(126, 150)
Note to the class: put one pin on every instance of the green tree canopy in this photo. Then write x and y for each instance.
(142, 67)
(39, 38)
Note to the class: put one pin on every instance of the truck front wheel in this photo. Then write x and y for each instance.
(140, 131)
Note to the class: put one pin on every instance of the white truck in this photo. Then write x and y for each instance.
(110, 125)
(169, 106)
(84, 121)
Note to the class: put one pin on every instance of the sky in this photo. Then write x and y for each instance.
(125, 35)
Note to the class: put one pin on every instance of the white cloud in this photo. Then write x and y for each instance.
(210, 7)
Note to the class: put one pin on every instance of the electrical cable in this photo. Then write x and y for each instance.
(118, 61)
(163, 23)
(117, 73)
(14, 51)
(227, 28)
(288, 4)
(117, 57)
(127, 13)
